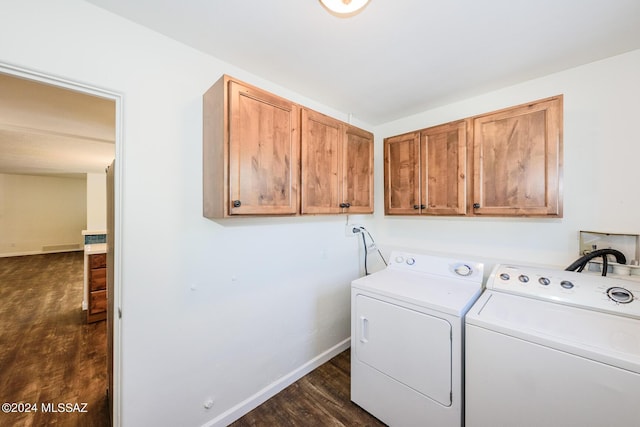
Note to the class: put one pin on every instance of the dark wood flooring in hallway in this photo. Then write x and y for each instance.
(48, 354)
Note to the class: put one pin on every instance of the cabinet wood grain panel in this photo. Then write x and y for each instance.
(443, 152)
(215, 150)
(402, 174)
(263, 152)
(337, 166)
(357, 170)
(251, 152)
(97, 260)
(98, 303)
(97, 283)
(518, 160)
(97, 279)
(321, 159)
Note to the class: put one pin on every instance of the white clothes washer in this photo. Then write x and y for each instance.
(407, 339)
(553, 348)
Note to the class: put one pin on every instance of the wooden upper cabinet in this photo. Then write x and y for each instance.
(402, 174)
(337, 166)
(425, 171)
(443, 160)
(518, 160)
(251, 151)
(265, 155)
(505, 163)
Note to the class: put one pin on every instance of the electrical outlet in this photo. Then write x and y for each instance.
(351, 230)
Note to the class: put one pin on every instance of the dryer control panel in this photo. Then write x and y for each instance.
(436, 265)
(600, 293)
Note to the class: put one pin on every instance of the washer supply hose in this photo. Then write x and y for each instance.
(579, 264)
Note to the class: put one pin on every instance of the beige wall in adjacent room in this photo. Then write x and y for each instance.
(41, 214)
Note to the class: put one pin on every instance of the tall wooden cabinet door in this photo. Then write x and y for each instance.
(401, 174)
(357, 171)
(321, 159)
(264, 149)
(443, 159)
(518, 160)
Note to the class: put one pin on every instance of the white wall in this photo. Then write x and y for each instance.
(601, 173)
(41, 214)
(218, 310)
(96, 201)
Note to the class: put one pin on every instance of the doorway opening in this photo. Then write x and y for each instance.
(22, 142)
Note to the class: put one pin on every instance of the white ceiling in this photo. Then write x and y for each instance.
(47, 130)
(398, 57)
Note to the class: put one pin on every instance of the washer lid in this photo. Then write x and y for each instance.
(592, 334)
(452, 296)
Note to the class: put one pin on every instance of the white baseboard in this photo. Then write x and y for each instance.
(12, 254)
(276, 387)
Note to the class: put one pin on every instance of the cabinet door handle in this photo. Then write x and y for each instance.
(236, 203)
(476, 205)
(416, 206)
(423, 207)
(345, 205)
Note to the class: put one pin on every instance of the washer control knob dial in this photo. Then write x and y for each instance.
(523, 278)
(544, 281)
(566, 284)
(411, 261)
(463, 270)
(505, 276)
(620, 295)
(399, 259)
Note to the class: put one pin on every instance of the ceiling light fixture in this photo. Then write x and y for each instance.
(344, 8)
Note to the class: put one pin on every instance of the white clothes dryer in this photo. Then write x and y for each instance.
(407, 339)
(553, 348)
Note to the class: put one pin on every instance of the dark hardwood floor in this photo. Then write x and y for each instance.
(320, 398)
(48, 354)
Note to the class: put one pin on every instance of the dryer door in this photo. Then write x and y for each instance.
(409, 346)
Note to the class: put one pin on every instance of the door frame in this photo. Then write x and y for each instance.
(117, 288)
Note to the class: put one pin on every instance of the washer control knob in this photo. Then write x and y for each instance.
(505, 276)
(411, 261)
(544, 281)
(620, 295)
(399, 259)
(566, 284)
(463, 270)
(523, 278)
